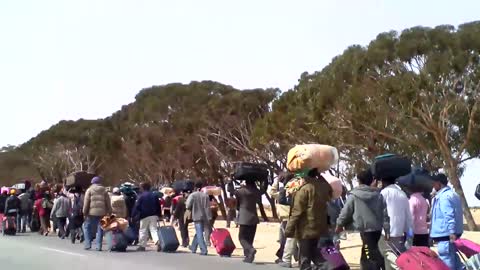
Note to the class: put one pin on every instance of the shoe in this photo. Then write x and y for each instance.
(285, 265)
(277, 261)
(87, 248)
(203, 254)
(98, 249)
(251, 257)
(141, 249)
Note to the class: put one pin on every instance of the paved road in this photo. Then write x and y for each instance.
(31, 251)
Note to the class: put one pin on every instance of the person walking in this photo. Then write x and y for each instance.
(308, 217)
(76, 217)
(248, 197)
(43, 206)
(365, 208)
(96, 205)
(213, 218)
(119, 206)
(3, 200)
(179, 216)
(26, 207)
(231, 204)
(12, 205)
(398, 211)
(60, 211)
(148, 211)
(288, 246)
(419, 209)
(199, 204)
(447, 222)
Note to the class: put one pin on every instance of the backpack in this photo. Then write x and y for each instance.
(47, 204)
(477, 192)
(77, 210)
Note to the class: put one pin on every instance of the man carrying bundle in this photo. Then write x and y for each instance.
(310, 194)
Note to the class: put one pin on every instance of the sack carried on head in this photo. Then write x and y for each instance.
(311, 156)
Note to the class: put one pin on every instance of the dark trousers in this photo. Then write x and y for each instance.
(371, 258)
(246, 235)
(61, 224)
(282, 239)
(309, 253)
(421, 240)
(183, 227)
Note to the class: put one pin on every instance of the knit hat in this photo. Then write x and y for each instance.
(442, 178)
(116, 190)
(96, 180)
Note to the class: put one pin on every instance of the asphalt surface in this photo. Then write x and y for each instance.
(32, 251)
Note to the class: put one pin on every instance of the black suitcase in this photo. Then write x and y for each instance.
(251, 172)
(391, 166)
(35, 223)
(168, 240)
(9, 226)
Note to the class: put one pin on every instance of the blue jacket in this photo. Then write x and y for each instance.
(447, 214)
(147, 205)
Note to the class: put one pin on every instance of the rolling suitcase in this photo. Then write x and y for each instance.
(9, 226)
(168, 240)
(467, 247)
(223, 242)
(419, 258)
(334, 257)
(117, 241)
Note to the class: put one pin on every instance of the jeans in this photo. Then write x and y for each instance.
(91, 225)
(291, 249)
(309, 253)
(448, 253)
(148, 225)
(371, 258)
(246, 236)
(198, 239)
(22, 220)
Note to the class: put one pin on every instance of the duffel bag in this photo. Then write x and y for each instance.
(251, 172)
(390, 166)
(212, 190)
(311, 156)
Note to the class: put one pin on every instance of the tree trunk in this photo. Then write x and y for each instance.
(262, 211)
(272, 205)
(452, 171)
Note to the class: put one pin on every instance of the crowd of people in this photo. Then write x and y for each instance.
(389, 218)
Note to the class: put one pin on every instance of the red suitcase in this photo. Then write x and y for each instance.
(223, 242)
(467, 247)
(420, 258)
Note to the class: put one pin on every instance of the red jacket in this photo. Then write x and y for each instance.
(38, 205)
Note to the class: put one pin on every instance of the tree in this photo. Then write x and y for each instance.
(415, 94)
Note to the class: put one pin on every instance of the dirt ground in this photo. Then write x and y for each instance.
(267, 236)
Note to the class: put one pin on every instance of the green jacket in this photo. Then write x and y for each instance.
(308, 214)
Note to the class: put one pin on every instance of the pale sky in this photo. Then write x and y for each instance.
(85, 59)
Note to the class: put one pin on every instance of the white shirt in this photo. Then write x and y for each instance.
(398, 209)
